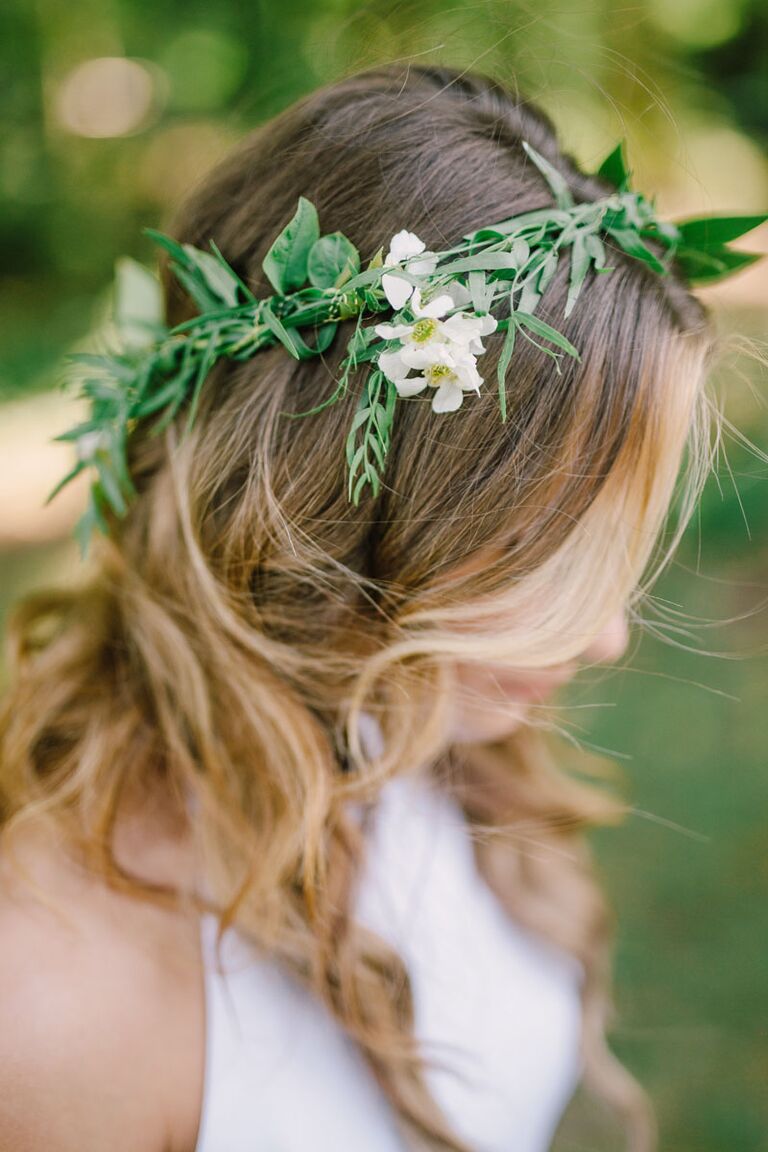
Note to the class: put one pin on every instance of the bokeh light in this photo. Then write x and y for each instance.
(106, 97)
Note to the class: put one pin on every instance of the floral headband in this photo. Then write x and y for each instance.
(442, 304)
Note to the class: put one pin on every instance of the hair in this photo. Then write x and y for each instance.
(240, 619)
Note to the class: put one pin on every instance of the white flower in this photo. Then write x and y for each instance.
(444, 351)
(404, 247)
(451, 379)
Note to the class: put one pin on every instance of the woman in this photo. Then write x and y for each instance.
(324, 725)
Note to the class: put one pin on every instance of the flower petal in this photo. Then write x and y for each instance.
(422, 265)
(397, 290)
(411, 386)
(392, 365)
(433, 308)
(462, 327)
(425, 355)
(447, 398)
(392, 331)
(404, 244)
(488, 324)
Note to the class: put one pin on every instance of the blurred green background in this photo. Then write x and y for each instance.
(112, 109)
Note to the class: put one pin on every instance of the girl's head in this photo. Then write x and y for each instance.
(245, 612)
(514, 543)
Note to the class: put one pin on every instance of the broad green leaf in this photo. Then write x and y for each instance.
(614, 169)
(324, 337)
(713, 231)
(332, 260)
(285, 264)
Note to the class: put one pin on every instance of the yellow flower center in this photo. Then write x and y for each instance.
(424, 330)
(437, 373)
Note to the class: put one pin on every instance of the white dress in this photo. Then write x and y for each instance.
(496, 1008)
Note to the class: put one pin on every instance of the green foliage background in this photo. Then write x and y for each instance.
(687, 83)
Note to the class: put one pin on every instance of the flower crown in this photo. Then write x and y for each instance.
(442, 304)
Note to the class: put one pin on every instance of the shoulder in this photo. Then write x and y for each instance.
(100, 1010)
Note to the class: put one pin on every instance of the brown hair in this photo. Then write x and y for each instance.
(242, 615)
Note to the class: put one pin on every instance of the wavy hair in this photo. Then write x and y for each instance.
(238, 621)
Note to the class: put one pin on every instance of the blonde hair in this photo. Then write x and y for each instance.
(242, 616)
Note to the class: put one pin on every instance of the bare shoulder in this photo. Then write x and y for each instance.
(101, 1010)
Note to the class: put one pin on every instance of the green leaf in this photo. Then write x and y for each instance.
(204, 367)
(79, 430)
(504, 359)
(712, 231)
(580, 261)
(482, 261)
(285, 264)
(332, 260)
(707, 266)
(324, 337)
(555, 179)
(547, 332)
(78, 468)
(195, 287)
(613, 168)
(111, 487)
(629, 240)
(288, 339)
(218, 278)
(90, 520)
(137, 304)
(158, 399)
(248, 295)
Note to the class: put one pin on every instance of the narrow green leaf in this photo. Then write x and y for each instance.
(248, 295)
(218, 278)
(73, 472)
(712, 231)
(196, 288)
(707, 266)
(204, 367)
(278, 329)
(629, 240)
(555, 179)
(504, 359)
(111, 487)
(547, 332)
(580, 261)
(482, 261)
